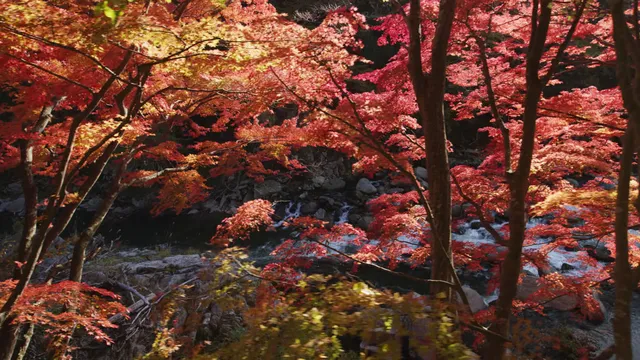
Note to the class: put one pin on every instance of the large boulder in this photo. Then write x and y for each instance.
(598, 314)
(309, 208)
(266, 188)
(174, 264)
(318, 180)
(321, 214)
(530, 285)
(457, 211)
(334, 184)
(13, 206)
(476, 301)
(366, 187)
(601, 253)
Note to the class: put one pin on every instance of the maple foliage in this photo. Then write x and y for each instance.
(48, 305)
(130, 95)
(577, 136)
(134, 94)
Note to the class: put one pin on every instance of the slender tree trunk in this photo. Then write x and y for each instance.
(519, 182)
(429, 90)
(437, 154)
(65, 214)
(627, 57)
(512, 264)
(30, 193)
(622, 270)
(28, 335)
(80, 248)
(9, 336)
(29, 189)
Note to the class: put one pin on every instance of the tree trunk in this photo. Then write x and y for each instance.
(429, 90)
(80, 248)
(627, 62)
(622, 270)
(55, 202)
(65, 214)
(28, 335)
(29, 189)
(519, 183)
(9, 335)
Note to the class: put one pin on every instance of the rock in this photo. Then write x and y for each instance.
(497, 254)
(598, 314)
(531, 270)
(318, 180)
(320, 214)
(600, 253)
(13, 189)
(248, 196)
(14, 206)
(527, 287)
(575, 221)
(563, 303)
(281, 210)
(309, 208)
(145, 267)
(172, 280)
(136, 253)
(395, 190)
(179, 318)
(457, 211)
(184, 261)
(530, 285)
(476, 301)
(421, 173)
(334, 184)
(177, 263)
(608, 185)
(328, 201)
(571, 248)
(266, 188)
(573, 182)
(401, 182)
(354, 218)
(366, 187)
(365, 222)
(475, 224)
(566, 267)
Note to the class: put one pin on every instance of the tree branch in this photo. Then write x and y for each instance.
(48, 72)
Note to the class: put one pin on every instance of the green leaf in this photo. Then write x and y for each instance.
(110, 13)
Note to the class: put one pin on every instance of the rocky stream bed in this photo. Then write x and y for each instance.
(143, 256)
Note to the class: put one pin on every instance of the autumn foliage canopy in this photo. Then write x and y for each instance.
(170, 94)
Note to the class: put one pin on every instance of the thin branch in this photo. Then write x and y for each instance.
(157, 175)
(565, 43)
(486, 73)
(62, 77)
(483, 221)
(111, 72)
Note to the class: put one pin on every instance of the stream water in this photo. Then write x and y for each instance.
(140, 229)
